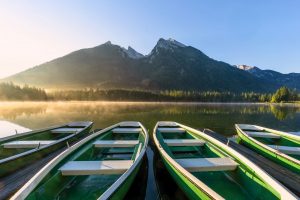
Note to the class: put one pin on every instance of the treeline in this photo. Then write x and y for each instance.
(281, 95)
(284, 94)
(9, 91)
(137, 95)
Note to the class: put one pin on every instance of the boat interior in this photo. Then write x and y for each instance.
(275, 141)
(26, 142)
(92, 168)
(212, 166)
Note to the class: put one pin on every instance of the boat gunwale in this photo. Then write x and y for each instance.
(276, 152)
(29, 186)
(260, 173)
(34, 150)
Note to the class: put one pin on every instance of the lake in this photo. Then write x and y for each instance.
(22, 116)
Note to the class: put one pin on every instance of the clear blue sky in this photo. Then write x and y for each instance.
(261, 33)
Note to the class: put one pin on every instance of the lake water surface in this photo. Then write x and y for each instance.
(22, 116)
(218, 117)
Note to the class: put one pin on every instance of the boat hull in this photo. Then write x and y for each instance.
(11, 164)
(65, 177)
(278, 158)
(187, 186)
(121, 192)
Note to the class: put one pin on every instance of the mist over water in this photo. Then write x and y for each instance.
(218, 117)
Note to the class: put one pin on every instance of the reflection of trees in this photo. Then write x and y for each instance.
(97, 109)
(283, 112)
(215, 116)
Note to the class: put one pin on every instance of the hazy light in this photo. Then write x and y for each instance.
(254, 33)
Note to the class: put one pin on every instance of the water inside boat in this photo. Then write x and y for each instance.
(240, 183)
(89, 186)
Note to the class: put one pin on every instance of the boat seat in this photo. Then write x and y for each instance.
(207, 164)
(74, 168)
(295, 133)
(168, 124)
(262, 135)
(66, 130)
(129, 124)
(249, 127)
(286, 149)
(127, 130)
(116, 143)
(171, 130)
(27, 144)
(184, 142)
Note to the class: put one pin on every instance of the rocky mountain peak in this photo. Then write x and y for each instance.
(108, 43)
(132, 53)
(170, 43)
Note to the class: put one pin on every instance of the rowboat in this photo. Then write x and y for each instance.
(101, 166)
(23, 149)
(205, 168)
(279, 146)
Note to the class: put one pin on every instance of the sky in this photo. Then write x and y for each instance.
(257, 33)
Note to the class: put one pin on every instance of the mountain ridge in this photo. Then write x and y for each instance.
(170, 65)
(291, 80)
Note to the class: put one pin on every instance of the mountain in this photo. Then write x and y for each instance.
(170, 65)
(101, 66)
(291, 80)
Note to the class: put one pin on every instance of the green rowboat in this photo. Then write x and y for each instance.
(101, 166)
(20, 150)
(281, 147)
(205, 168)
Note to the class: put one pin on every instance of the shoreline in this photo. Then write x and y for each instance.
(160, 102)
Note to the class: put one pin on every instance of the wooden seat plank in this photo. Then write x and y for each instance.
(116, 143)
(129, 124)
(249, 127)
(75, 168)
(27, 144)
(207, 164)
(286, 149)
(262, 135)
(66, 130)
(184, 142)
(295, 133)
(127, 130)
(171, 130)
(167, 124)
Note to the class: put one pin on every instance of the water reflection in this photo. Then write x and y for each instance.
(283, 112)
(219, 117)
